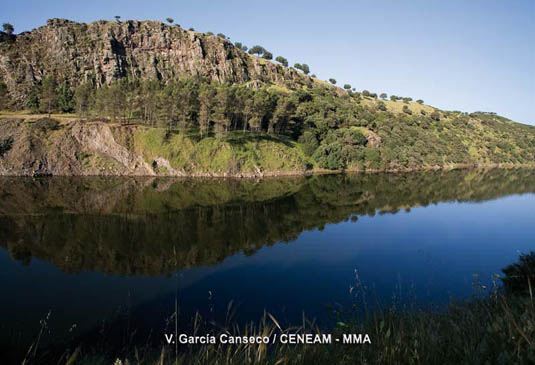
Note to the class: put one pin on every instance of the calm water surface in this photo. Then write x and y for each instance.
(120, 251)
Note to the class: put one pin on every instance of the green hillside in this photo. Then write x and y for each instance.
(225, 111)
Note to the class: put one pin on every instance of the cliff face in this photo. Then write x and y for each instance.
(107, 50)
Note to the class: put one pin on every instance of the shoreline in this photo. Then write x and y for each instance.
(276, 174)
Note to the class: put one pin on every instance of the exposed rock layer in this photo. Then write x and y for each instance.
(106, 50)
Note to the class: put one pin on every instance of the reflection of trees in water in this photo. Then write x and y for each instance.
(156, 226)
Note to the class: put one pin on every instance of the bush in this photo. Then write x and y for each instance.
(309, 141)
(347, 86)
(332, 81)
(381, 106)
(330, 156)
(435, 115)
(520, 277)
(5, 145)
(420, 101)
(383, 96)
(407, 110)
(47, 124)
(366, 93)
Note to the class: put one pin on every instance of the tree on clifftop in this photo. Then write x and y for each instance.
(170, 20)
(282, 60)
(332, 81)
(8, 28)
(258, 50)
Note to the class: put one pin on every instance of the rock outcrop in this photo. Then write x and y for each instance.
(42, 148)
(105, 51)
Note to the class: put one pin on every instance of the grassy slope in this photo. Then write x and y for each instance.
(237, 153)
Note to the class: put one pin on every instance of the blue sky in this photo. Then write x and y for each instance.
(456, 55)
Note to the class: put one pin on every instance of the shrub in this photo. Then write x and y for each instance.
(347, 86)
(332, 81)
(5, 145)
(170, 20)
(406, 110)
(520, 277)
(221, 35)
(365, 93)
(309, 141)
(267, 55)
(420, 101)
(381, 106)
(330, 156)
(435, 115)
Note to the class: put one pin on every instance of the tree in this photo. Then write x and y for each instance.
(305, 69)
(238, 45)
(393, 97)
(65, 99)
(383, 96)
(258, 50)
(209, 33)
(282, 60)
(420, 101)
(8, 28)
(406, 109)
(267, 55)
(332, 81)
(170, 20)
(117, 17)
(84, 97)
(206, 98)
(244, 48)
(221, 35)
(366, 93)
(192, 29)
(49, 96)
(347, 86)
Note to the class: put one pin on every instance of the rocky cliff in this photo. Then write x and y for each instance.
(108, 50)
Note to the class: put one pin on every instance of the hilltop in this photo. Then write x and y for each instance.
(148, 98)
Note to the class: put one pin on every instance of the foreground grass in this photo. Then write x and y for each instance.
(496, 329)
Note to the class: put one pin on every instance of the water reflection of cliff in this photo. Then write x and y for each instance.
(156, 226)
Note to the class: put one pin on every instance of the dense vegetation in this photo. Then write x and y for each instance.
(334, 131)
